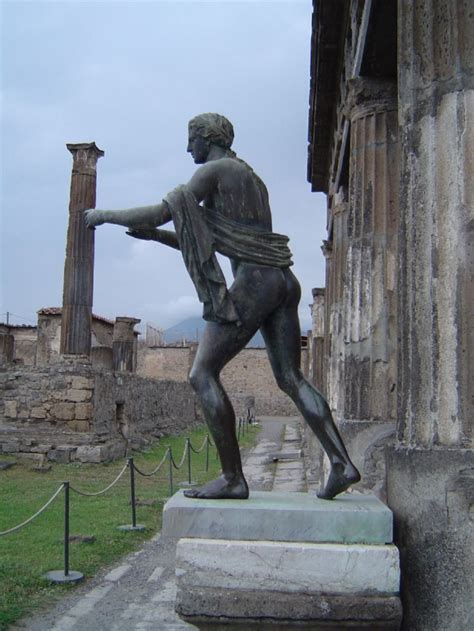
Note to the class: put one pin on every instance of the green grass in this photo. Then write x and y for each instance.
(25, 556)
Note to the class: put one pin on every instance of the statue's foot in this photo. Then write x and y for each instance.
(342, 476)
(221, 489)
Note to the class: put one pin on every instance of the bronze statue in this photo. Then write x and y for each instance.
(224, 208)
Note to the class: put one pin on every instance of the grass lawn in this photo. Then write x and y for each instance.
(26, 555)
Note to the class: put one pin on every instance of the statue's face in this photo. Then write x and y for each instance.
(198, 147)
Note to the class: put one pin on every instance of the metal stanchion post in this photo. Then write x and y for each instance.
(207, 454)
(65, 575)
(170, 471)
(134, 525)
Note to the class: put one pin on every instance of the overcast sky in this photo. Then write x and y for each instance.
(129, 75)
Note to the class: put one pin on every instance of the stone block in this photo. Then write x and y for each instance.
(276, 611)
(11, 409)
(84, 411)
(288, 567)
(78, 426)
(81, 383)
(61, 455)
(38, 412)
(86, 453)
(10, 447)
(63, 411)
(78, 395)
(281, 516)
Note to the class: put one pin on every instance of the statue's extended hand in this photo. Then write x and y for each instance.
(94, 217)
(148, 234)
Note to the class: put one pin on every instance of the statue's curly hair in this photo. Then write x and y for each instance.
(215, 127)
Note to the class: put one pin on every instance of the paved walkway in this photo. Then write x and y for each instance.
(139, 593)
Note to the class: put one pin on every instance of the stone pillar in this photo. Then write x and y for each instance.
(7, 346)
(79, 265)
(335, 300)
(327, 382)
(124, 345)
(318, 332)
(370, 306)
(430, 474)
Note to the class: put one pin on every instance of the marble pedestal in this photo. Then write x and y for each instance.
(285, 560)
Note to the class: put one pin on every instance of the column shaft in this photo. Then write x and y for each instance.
(79, 264)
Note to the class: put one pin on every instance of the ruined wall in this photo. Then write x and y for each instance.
(166, 362)
(20, 344)
(70, 411)
(248, 374)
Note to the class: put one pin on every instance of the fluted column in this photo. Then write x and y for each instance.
(436, 385)
(79, 264)
(370, 273)
(318, 333)
(124, 344)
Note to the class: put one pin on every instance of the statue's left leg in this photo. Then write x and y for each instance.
(281, 331)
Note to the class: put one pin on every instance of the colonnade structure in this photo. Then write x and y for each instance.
(391, 145)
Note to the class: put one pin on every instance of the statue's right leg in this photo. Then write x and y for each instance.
(219, 344)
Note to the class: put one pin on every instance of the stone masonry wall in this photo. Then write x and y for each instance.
(248, 374)
(70, 411)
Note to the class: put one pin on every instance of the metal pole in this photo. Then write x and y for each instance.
(66, 528)
(170, 470)
(189, 460)
(134, 525)
(207, 454)
(132, 492)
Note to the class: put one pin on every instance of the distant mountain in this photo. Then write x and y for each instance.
(191, 330)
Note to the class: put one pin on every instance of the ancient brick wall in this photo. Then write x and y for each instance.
(248, 374)
(70, 411)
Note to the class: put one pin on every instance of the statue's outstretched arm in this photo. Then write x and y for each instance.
(154, 234)
(141, 217)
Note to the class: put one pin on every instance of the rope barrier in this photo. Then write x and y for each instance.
(30, 519)
(156, 469)
(185, 453)
(107, 488)
(198, 451)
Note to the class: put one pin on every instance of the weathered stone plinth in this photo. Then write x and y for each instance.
(285, 560)
(294, 517)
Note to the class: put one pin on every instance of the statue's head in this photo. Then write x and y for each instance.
(213, 129)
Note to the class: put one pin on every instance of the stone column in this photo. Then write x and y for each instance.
(79, 265)
(124, 345)
(7, 346)
(370, 306)
(318, 332)
(327, 383)
(430, 473)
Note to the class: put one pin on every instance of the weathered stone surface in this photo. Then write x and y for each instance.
(81, 383)
(87, 453)
(63, 411)
(38, 412)
(277, 516)
(209, 608)
(288, 567)
(61, 455)
(11, 408)
(79, 426)
(79, 396)
(432, 497)
(84, 411)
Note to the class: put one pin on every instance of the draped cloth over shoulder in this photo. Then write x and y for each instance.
(201, 233)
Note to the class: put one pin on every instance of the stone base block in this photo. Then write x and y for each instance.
(318, 586)
(250, 610)
(274, 516)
